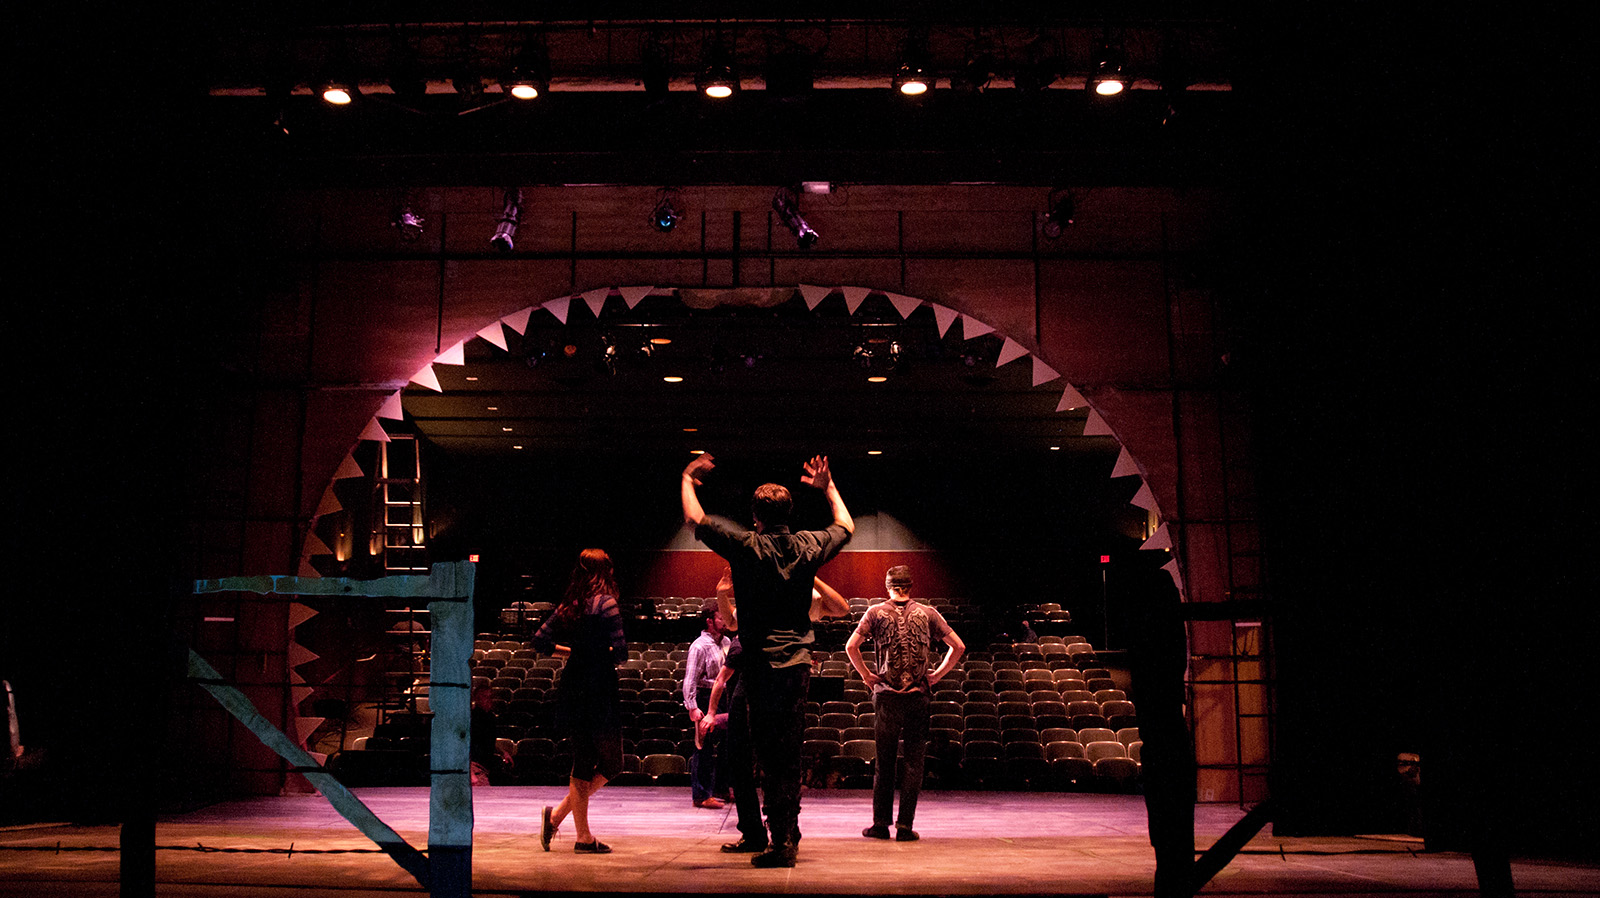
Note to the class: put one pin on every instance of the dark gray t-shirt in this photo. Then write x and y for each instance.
(902, 636)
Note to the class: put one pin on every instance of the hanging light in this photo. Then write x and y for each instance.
(1108, 79)
(717, 78)
(408, 222)
(1059, 212)
(912, 79)
(530, 75)
(505, 231)
(786, 203)
(664, 217)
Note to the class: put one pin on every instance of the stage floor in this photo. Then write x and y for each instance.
(973, 843)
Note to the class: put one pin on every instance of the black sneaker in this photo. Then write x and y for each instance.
(744, 846)
(905, 834)
(774, 856)
(595, 847)
(876, 832)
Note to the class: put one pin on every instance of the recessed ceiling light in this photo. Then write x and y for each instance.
(661, 341)
(877, 379)
(697, 452)
(673, 379)
(470, 377)
(874, 451)
(691, 430)
(491, 408)
(506, 429)
(518, 446)
(1055, 448)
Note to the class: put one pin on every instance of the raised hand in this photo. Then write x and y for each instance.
(817, 473)
(701, 464)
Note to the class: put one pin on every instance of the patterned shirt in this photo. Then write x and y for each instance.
(901, 636)
(701, 668)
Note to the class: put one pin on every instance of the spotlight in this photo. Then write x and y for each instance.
(338, 91)
(1039, 68)
(530, 75)
(667, 211)
(716, 82)
(505, 231)
(787, 205)
(912, 80)
(717, 79)
(1108, 79)
(862, 356)
(1059, 214)
(609, 355)
(338, 86)
(976, 71)
(408, 222)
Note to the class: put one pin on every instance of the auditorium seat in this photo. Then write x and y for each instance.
(1025, 766)
(665, 769)
(1110, 695)
(822, 732)
(1128, 735)
(838, 707)
(1097, 734)
(1118, 772)
(947, 721)
(836, 719)
(849, 734)
(1094, 751)
(1058, 734)
(1070, 772)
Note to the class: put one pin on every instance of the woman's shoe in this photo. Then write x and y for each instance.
(547, 830)
(595, 847)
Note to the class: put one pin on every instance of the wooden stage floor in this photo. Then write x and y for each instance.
(973, 843)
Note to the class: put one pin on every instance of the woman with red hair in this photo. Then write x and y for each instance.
(586, 629)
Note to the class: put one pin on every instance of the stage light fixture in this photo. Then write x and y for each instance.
(912, 80)
(976, 71)
(408, 222)
(505, 231)
(338, 91)
(1108, 79)
(786, 203)
(1039, 67)
(717, 78)
(664, 217)
(1058, 216)
(530, 74)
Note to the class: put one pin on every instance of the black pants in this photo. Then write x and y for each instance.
(740, 761)
(899, 715)
(777, 697)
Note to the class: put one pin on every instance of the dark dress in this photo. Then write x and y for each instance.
(587, 707)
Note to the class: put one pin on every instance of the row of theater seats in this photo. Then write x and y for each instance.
(1006, 718)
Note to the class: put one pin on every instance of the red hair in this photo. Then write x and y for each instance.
(592, 576)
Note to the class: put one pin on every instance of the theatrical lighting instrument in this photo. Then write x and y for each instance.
(787, 204)
(609, 355)
(912, 80)
(667, 211)
(1059, 214)
(862, 356)
(656, 60)
(338, 91)
(717, 79)
(1108, 80)
(975, 73)
(505, 231)
(1039, 67)
(408, 222)
(530, 75)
